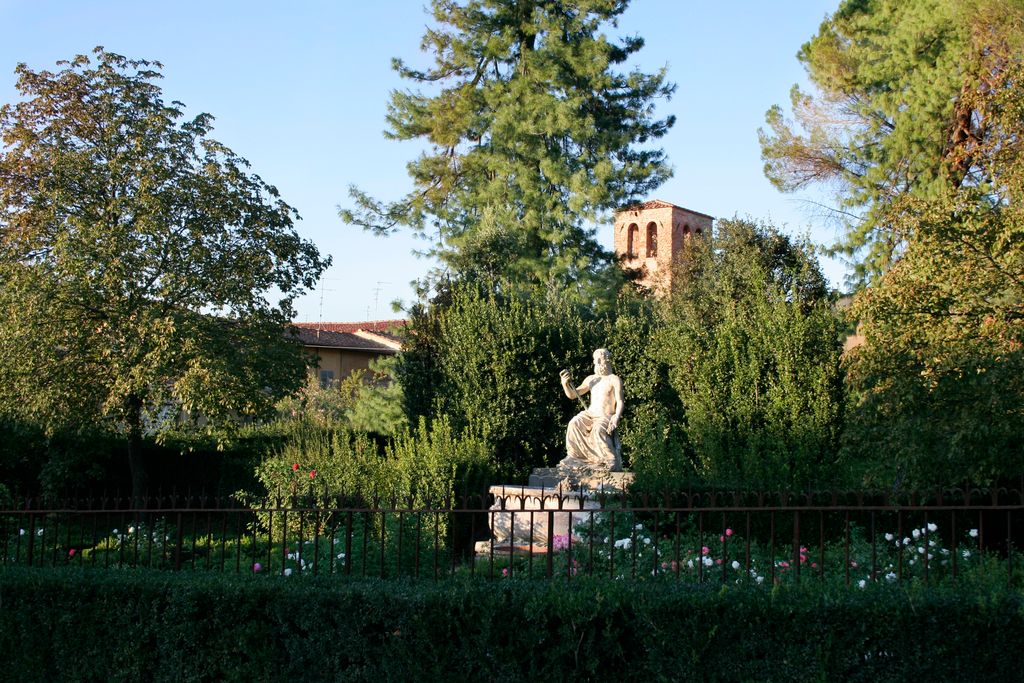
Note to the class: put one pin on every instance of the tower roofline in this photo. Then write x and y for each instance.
(659, 204)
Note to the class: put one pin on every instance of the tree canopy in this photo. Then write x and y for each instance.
(752, 349)
(899, 108)
(532, 134)
(137, 258)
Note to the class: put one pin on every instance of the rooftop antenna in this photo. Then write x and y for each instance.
(376, 301)
(320, 318)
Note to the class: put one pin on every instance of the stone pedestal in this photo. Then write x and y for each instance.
(525, 518)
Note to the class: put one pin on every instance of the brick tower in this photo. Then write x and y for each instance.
(649, 237)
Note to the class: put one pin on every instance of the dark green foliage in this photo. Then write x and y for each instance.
(490, 362)
(653, 433)
(753, 351)
(76, 625)
(533, 135)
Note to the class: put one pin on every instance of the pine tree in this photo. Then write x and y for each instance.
(533, 136)
(900, 90)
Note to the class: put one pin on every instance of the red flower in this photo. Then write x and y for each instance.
(295, 467)
(71, 553)
(312, 474)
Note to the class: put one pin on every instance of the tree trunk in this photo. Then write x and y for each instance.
(136, 459)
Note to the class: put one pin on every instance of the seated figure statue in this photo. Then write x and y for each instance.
(590, 440)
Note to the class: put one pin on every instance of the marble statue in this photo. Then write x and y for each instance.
(590, 440)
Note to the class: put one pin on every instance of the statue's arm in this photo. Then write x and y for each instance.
(570, 392)
(620, 402)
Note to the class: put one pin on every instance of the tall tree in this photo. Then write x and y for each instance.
(898, 109)
(136, 257)
(753, 351)
(532, 132)
(939, 383)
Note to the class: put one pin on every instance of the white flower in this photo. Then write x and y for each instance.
(931, 544)
(920, 550)
(639, 526)
(624, 543)
(131, 530)
(891, 576)
(760, 579)
(932, 526)
(945, 551)
(906, 541)
(888, 537)
(39, 533)
(862, 583)
(647, 540)
(708, 561)
(341, 556)
(21, 532)
(606, 539)
(288, 571)
(973, 533)
(916, 533)
(115, 532)
(689, 563)
(735, 564)
(967, 553)
(913, 562)
(290, 556)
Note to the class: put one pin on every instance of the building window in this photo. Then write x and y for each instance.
(632, 237)
(652, 240)
(326, 378)
(686, 230)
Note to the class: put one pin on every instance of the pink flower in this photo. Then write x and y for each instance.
(718, 561)
(295, 467)
(705, 550)
(560, 542)
(721, 539)
(728, 532)
(784, 564)
(814, 565)
(504, 572)
(257, 568)
(71, 553)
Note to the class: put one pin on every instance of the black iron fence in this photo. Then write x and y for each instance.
(732, 537)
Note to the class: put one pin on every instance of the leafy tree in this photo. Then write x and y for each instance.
(899, 109)
(136, 256)
(490, 363)
(938, 383)
(532, 135)
(652, 430)
(753, 351)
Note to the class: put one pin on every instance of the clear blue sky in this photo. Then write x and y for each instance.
(300, 90)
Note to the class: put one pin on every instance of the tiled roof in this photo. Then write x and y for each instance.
(659, 204)
(356, 341)
(387, 331)
(368, 325)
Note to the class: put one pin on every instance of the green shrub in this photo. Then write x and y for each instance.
(79, 625)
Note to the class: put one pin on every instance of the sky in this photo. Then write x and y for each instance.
(300, 89)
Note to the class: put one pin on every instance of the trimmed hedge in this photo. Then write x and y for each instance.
(87, 625)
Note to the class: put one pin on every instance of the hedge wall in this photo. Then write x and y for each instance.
(87, 625)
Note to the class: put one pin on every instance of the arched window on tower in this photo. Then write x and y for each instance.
(686, 230)
(652, 239)
(632, 237)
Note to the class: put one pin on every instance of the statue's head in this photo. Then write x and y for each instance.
(602, 362)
